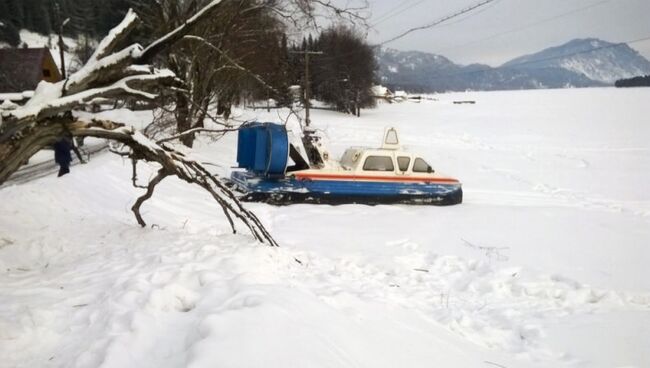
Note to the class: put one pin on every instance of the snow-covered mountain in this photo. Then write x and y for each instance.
(395, 61)
(578, 63)
(596, 59)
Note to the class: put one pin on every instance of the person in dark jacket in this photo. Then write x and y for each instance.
(62, 155)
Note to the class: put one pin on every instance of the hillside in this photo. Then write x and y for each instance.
(578, 63)
(596, 59)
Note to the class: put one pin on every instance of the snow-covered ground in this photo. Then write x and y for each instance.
(545, 264)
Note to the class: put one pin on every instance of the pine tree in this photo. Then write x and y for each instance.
(284, 74)
(41, 20)
(9, 34)
(4, 11)
(345, 73)
(15, 13)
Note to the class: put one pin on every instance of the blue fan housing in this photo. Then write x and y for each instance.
(263, 148)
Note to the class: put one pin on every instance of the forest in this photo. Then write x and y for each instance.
(640, 81)
(93, 18)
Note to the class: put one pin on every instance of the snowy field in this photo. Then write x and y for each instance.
(545, 264)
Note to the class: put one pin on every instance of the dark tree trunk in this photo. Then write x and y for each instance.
(124, 74)
(183, 119)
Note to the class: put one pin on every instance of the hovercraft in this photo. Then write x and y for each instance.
(273, 170)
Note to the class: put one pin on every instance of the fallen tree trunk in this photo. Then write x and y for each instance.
(48, 117)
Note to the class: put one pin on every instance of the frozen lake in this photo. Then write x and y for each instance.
(545, 264)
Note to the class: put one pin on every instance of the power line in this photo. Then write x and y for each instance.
(526, 26)
(430, 25)
(387, 13)
(439, 21)
(397, 13)
(481, 4)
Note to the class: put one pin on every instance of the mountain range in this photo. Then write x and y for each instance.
(585, 62)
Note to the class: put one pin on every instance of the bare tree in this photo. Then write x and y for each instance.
(116, 73)
(219, 62)
(239, 53)
(119, 74)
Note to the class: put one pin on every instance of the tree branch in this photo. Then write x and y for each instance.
(47, 117)
(175, 163)
(233, 62)
(134, 167)
(177, 34)
(150, 188)
(116, 35)
(196, 130)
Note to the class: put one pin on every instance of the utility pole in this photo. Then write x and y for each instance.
(61, 43)
(306, 82)
(62, 46)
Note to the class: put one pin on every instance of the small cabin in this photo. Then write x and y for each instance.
(21, 69)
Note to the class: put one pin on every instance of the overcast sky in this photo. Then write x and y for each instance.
(506, 29)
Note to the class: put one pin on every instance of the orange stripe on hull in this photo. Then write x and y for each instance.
(376, 178)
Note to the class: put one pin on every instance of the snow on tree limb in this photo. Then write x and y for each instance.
(54, 105)
(47, 117)
(116, 35)
(103, 70)
(107, 73)
(173, 36)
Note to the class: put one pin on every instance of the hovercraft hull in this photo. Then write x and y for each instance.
(290, 190)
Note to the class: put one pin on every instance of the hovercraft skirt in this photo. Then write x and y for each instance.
(288, 190)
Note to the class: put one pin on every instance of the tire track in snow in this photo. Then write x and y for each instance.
(543, 194)
(138, 294)
(498, 308)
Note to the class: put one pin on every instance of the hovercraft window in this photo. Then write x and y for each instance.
(403, 163)
(421, 166)
(379, 163)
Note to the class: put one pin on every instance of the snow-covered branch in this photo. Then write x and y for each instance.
(124, 87)
(47, 117)
(116, 36)
(104, 70)
(177, 33)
